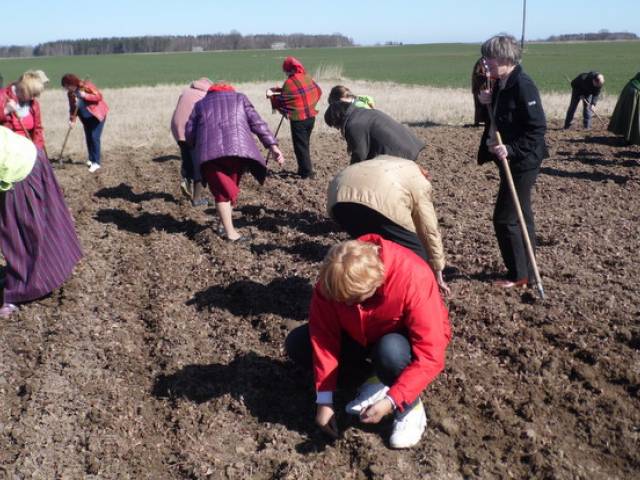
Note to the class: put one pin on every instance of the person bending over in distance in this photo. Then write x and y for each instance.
(191, 183)
(519, 118)
(86, 102)
(340, 93)
(37, 233)
(370, 133)
(297, 100)
(585, 88)
(625, 119)
(378, 300)
(221, 129)
(391, 197)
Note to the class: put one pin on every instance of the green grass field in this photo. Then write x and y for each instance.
(434, 64)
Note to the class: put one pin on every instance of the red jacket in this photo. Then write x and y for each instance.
(299, 95)
(408, 301)
(11, 121)
(93, 98)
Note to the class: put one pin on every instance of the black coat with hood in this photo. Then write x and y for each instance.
(521, 122)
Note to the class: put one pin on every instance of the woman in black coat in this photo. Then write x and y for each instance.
(520, 120)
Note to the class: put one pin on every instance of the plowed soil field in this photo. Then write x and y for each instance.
(162, 356)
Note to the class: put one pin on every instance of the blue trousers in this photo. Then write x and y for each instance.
(92, 133)
(390, 356)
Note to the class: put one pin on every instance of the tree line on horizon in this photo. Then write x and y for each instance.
(602, 35)
(175, 43)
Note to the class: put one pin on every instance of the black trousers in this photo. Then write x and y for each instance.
(587, 114)
(301, 135)
(356, 220)
(505, 222)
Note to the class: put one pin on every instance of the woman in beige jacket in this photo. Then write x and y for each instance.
(392, 197)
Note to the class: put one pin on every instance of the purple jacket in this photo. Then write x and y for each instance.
(222, 124)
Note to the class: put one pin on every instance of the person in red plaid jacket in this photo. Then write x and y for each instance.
(297, 101)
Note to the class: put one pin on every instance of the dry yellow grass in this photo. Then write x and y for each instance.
(140, 116)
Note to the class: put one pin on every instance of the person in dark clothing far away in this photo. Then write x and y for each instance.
(585, 88)
(519, 118)
(370, 133)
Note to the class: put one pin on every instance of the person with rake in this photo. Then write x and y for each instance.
(585, 88)
(37, 234)
(375, 301)
(86, 102)
(220, 129)
(297, 100)
(518, 120)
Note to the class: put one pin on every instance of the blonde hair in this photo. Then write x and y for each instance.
(30, 84)
(351, 270)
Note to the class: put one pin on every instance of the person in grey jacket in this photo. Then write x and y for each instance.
(370, 133)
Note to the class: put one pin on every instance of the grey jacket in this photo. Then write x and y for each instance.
(370, 133)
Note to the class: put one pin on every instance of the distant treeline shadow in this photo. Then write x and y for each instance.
(286, 297)
(147, 222)
(125, 192)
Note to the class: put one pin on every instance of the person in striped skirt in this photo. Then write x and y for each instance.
(37, 234)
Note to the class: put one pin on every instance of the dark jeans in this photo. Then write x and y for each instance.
(505, 222)
(301, 134)
(390, 356)
(587, 114)
(186, 168)
(356, 220)
(92, 133)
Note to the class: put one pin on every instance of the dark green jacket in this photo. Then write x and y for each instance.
(626, 116)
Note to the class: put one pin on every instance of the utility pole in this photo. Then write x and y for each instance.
(524, 18)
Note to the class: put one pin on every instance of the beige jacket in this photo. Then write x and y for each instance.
(397, 189)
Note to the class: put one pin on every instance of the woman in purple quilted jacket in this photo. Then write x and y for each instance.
(221, 129)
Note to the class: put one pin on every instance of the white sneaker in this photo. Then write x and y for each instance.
(408, 431)
(94, 167)
(369, 393)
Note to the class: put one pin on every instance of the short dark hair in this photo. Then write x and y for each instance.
(338, 93)
(336, 114)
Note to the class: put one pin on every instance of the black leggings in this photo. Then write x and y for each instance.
(357, 220)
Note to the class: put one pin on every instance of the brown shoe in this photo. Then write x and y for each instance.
(522, 283)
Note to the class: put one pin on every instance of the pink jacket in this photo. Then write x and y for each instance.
(188, 98)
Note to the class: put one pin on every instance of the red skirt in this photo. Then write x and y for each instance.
(223, 176)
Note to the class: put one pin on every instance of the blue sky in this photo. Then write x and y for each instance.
(367, 22)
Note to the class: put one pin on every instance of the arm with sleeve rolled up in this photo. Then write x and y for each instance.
(429, 334)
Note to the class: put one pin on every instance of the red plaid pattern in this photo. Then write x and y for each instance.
(298, 97)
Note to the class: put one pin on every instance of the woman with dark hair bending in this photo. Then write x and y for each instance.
(86, 102)
(518, 116)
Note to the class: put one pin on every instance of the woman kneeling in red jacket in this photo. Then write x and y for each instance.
(375, 299)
